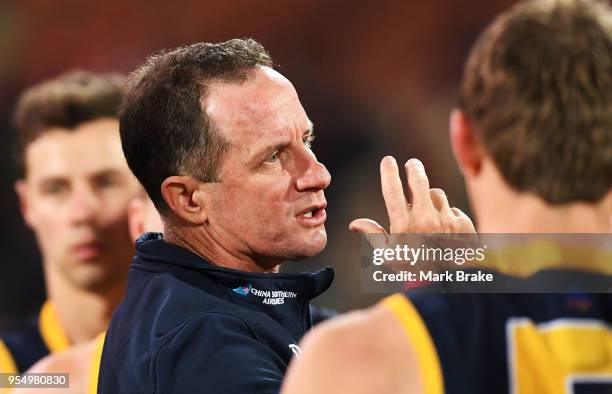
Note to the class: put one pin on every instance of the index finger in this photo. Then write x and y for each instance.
(418, 184)
(392, 190)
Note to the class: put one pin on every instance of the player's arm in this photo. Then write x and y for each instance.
(74, 361)
(358, 353)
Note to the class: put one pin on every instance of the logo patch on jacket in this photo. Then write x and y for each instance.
(242, 290)
(269, 297)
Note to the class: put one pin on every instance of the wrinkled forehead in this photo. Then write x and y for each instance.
(266, 102)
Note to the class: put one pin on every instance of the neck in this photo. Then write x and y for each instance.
(204, 244)
(530, 216)
(501, 209)
(83, 313)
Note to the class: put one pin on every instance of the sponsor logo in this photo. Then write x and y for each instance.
(269, 297)
(242, 290)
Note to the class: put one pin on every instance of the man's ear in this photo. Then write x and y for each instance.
(136, 218)
(607, 203)
(22, 190)
(183, 196)
(467, 147)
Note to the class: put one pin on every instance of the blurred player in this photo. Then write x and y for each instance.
(82, 362)
(533, 139)
(143, 217)
(74, 195)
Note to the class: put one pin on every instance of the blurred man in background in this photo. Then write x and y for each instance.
(143, 217)
(82, 362)
(74, 195)
(533, 139)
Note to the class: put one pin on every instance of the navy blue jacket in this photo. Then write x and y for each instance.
(186, 326)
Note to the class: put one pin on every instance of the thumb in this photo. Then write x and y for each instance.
(374, 232)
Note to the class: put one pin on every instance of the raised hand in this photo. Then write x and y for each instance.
(429, 212)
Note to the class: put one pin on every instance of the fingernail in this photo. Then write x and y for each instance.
(389, 159)
(415, 162)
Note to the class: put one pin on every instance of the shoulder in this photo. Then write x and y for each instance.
(163, 307)
(75, 361)
(217, 350)
(202, 348)
(209, 324)
(215, 334)
(360, 352)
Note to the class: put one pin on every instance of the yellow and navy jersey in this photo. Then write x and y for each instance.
(40, 336)
(94, 369)
(509, 343)
(23, 346)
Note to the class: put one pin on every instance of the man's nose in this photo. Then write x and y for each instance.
(84, 205)
(315, 176)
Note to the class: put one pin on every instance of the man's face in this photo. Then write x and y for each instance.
(75, 197)
(269, 204)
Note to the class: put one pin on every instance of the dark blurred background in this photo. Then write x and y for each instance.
(376, 78)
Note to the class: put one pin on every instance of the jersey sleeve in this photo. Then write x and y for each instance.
(94, 372)
(7, 363)
(217, 353)
(468, 336)
(421, 341)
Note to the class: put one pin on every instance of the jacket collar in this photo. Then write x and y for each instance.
(280, 295)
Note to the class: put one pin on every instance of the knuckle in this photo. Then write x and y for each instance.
(457, 225)
(394, 189)
(419, 176)
(457, 212)
(420, 182)
(438, 192)
(397, 228)
(426, 222)
(466, 224)
(449, 224)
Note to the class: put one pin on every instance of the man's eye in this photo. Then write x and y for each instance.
(104, 182)
(273, 157)
(55, 188)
